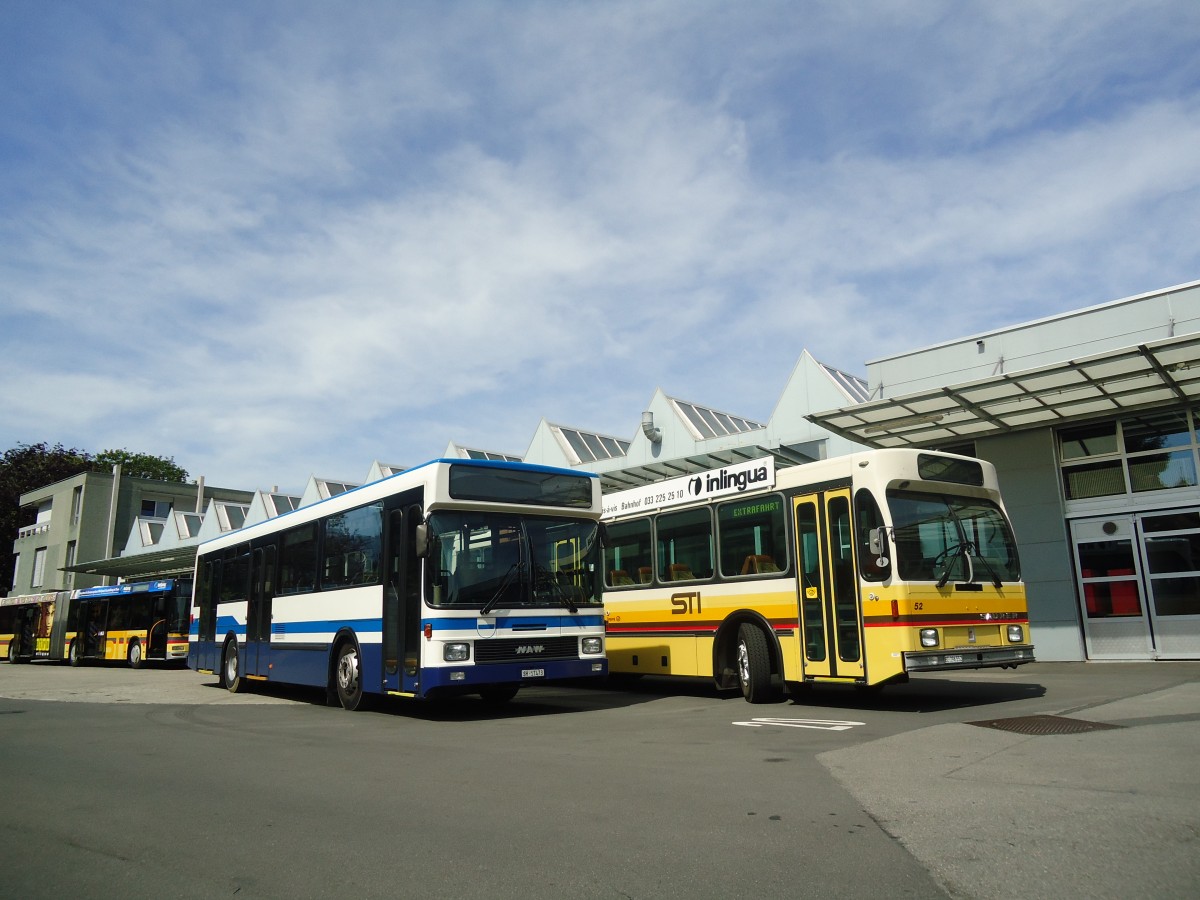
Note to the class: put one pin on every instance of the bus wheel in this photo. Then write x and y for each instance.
(135, 654)
(12, 653)
(347, 672)
(231, 670)
(74, 657)
(754, 665)
(498, 694)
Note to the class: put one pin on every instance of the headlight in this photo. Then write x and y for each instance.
(1016, 634)
(593, 645)
(456, 652)
(929, 637)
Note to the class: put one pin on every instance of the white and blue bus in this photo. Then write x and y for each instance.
(455, 577)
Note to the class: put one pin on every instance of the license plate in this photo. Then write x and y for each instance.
(533, 673)
(954, 659)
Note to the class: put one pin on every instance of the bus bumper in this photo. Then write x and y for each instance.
(963, 658)
(525, 673)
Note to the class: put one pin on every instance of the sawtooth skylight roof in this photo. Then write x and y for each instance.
(710, 423)
(590, 447)
(487, 454)
(856, 389)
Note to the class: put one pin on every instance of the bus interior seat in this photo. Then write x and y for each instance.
(759, 564)
(680, 572)
(619, 577)
(645, 575)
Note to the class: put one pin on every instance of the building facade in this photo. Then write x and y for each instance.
(96, 516)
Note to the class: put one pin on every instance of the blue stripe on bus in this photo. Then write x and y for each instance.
(226, 624)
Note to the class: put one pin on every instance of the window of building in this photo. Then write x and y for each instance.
(76, 504)
(155, 509)
(39, 568)
(1155, 451)
(69, 579)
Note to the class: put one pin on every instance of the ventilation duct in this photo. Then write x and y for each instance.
(652, 433)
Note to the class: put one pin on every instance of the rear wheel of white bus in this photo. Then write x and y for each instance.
(231, 669)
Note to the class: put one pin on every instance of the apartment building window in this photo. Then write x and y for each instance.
(155, 509)
(69, 577)
(76, 505)
(39, 568)
(1155, 451)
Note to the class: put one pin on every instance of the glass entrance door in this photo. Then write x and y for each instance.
(1139, 584)
(1115, 622)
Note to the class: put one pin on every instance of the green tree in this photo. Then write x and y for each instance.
(22, 469)
(140, 465)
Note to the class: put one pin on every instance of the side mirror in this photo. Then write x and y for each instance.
(878, 541)
(421, 539)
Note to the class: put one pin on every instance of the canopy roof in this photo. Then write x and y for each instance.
(1132, 378)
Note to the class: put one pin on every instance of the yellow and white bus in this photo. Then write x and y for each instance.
(27, 623)
(133, 622)
(856, 570)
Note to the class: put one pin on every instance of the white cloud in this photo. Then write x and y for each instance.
(297, 247)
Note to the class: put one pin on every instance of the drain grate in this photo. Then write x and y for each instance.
(1045, 725)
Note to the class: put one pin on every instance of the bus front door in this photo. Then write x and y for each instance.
(401, 603)
(258, 612)
(830, 607)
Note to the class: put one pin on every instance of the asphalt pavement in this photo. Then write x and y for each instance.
(1097, 800)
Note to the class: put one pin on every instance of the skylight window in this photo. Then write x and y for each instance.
(589, 447)
(710, 423)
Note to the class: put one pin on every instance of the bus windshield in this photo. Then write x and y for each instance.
(942, 538)
(505, 561)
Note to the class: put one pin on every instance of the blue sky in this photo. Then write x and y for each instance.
(275, 239)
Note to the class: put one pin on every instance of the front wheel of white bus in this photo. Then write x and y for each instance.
(347, 673)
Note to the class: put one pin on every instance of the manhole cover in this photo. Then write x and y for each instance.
(1044, 725)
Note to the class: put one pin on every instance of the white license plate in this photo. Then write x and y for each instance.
(954, 659)
(533, 673)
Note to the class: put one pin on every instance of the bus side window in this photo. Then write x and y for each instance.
(628, 556)
(685, 545)
(753, 536)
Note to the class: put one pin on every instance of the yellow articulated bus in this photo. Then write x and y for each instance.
(26, 624)
(135, 622)
(857, 570)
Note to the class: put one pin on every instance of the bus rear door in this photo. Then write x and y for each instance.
(830, 607)
(258, 612)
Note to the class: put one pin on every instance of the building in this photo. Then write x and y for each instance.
(1090, 418)
(94, 515)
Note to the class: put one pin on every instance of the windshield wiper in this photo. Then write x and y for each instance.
(996, 582)
(542, 575)
(959, 551)
(512, 572)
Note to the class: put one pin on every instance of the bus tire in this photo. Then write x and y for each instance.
(231, 672)
(498, 694)
(136, 659)
(754, 664)
(347, 676)
(74, 657)
(13, 657)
